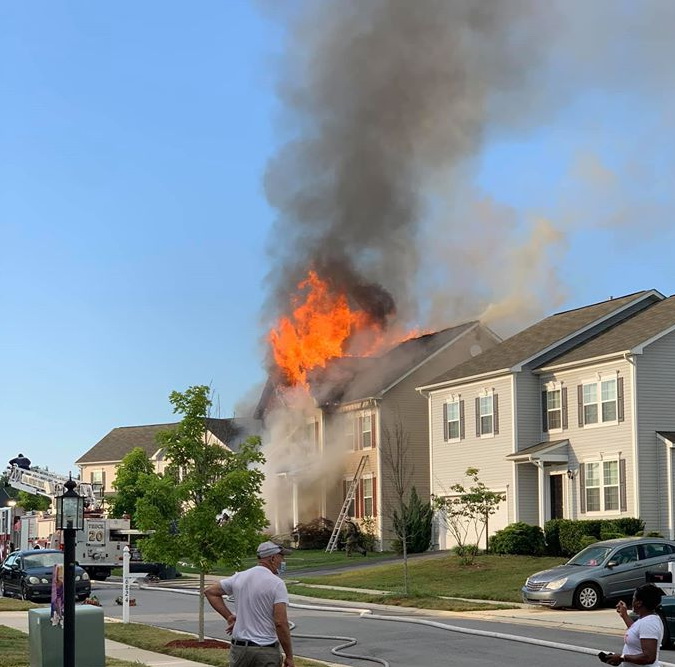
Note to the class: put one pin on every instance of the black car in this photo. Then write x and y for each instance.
(28, 575)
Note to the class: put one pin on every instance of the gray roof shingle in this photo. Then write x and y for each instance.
(120, 441)
(537, 338)
(624, 336)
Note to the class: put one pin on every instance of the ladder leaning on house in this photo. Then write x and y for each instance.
(351, 492)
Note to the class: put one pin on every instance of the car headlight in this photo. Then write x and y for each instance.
(77, 577)
(556, 584)
(33, 580)
(85, 576)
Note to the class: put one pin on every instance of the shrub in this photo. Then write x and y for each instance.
(469, 551)
(519, 538)
(629, 525)
(552, 535)
(314, 534)
(586, 541)
(653, 533)
(609, 530)
(368, 538)
(414, 520)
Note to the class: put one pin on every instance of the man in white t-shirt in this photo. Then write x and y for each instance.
(260, 624)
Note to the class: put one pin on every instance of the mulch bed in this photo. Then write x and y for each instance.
(195, 643)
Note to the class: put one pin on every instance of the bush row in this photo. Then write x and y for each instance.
(560, 537)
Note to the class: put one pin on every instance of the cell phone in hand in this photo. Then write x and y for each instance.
(603, 656)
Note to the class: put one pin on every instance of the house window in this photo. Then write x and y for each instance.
(452, 417)
(345, 489)
(96, 477)
(368, 496)
(554, 409)
(599, 402)
(602, 486)
(367, 432)
(486, 415)
(349, 433)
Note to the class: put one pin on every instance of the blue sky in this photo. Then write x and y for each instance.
(133, 223)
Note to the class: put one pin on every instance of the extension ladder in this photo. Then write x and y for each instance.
(351, 492)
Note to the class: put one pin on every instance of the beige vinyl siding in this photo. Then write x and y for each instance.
(656, 412)
(451, 459)
(593, 442)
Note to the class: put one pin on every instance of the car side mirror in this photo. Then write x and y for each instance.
(612, 563)
(14, 566)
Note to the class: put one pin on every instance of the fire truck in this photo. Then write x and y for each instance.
(99, 547)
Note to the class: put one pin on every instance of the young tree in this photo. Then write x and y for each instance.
(131, 483)
(410, 516)
(466, 514)
(202, 479)
(32, 502)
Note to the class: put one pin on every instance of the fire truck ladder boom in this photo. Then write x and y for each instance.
(351, 492)
(49, 484)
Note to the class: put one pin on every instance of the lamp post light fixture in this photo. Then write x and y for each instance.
(69, 519)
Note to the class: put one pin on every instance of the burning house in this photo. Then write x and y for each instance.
(341, 401)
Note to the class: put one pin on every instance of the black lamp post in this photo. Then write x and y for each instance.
(69, 518)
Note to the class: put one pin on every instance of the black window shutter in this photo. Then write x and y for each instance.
(619, 398)
(580, 403)
(582, 488)
(461, 420)
(478, 417)
(544, 412)
(445, 421)
(495, 413)
(103, 481)
(563, 396)
(622, 485)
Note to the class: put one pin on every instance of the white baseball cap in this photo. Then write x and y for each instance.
(267, 549)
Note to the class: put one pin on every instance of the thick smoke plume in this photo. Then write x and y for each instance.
(381, 96)
(388, 105)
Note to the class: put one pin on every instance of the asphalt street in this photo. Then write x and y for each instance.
(400, 643)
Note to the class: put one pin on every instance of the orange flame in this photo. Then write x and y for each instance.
(320, 329)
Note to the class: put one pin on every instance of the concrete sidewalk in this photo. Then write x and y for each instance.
(19, 621)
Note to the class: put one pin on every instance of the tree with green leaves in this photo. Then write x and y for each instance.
(466, 513)
(31, 502)
(202, 480)
(131, 482)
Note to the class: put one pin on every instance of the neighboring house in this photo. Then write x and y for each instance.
(573, 417)
(99, 464)
(358, 406)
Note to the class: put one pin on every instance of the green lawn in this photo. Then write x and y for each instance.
(418, 601)
(14, 650)
(155, 639)
(490, 578)
(301, 559)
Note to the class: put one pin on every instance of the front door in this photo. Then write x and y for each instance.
(556, 482)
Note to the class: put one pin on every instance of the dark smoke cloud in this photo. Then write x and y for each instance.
(388, 103)
(378, 95)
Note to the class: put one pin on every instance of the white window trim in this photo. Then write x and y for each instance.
(600, 461)
(554, 386)
(597, 381)
(454, 400)
(348, 480)
(368, 415)
(371, 496)
(488, 393)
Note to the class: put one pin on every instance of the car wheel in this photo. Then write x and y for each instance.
(82, 597)
(587, 597)
(3, 592)
(24, 592)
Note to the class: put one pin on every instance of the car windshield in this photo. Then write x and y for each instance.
(593, 555)
(42, 560)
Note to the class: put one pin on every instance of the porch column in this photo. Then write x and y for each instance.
(294, 502)
(542, 493)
